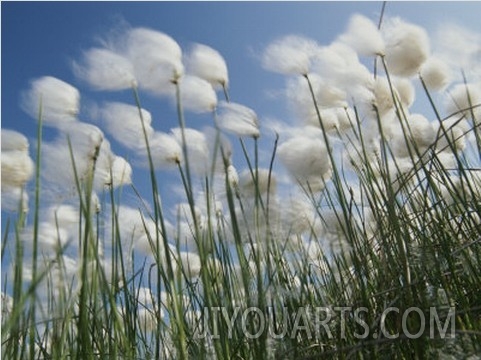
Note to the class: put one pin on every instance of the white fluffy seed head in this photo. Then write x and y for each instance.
(124, 124)
(219, 147)
(405, 91)
(53, 99)
(363, 36)
(466, 100)
(84, 138)
(306, 159)
(417, 134)
(407, 47)
(266, 181)
(156, 58)
(208, 64)
(327, 94)
(421, 131)
(80, 146)
(383, 96)
(328, 98)
(297, 215)
(290, 55)
(435, 74)
(121, 172)
(232, 176)
(346, 118)
(104, 69)
(237, 119)
(339, 65)
(451, 134)
(14, 198)
(13, 140)
(197, 94)
(165, 150)
(17, 168)
(197, 148)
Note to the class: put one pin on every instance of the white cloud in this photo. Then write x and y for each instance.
(460, 48)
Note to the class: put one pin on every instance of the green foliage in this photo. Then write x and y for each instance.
(411, 239)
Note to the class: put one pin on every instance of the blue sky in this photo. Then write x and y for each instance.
(44, 38)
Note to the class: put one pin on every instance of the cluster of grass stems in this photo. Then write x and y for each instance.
(424, 252)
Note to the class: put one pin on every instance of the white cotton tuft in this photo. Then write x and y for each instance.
(56, 100)
(197, 94)
(219, 147)
(297, 215)
(465, 99)
(383, 96)
(13, 198)
(306, 159)
(110, 169)
(330, 120)
(402, 91)
(421, 131)
(405, 91)
(208, 64)
(417, 134)
(346, 118)
(328, 97)
(289, 55)
(123, 123)
(157, 60)
(339, 64)
(451, 134)
(85, 138)
(363, 36)
(13, 140)
(104, 69)
(17, 166)
(407, 47)
(165, 150)
(197, 149)
(121, 172)
(435, 74)
(237, 119)
(57, 167)
(232, 176)
(85, 144)
(266, 181)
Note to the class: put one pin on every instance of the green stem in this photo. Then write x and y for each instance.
(36, 229)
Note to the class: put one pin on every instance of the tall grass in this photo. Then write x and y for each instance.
(407, 240)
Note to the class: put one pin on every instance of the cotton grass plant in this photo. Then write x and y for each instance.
(362, 206)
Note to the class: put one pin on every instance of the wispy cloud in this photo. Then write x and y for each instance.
(460, 48)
